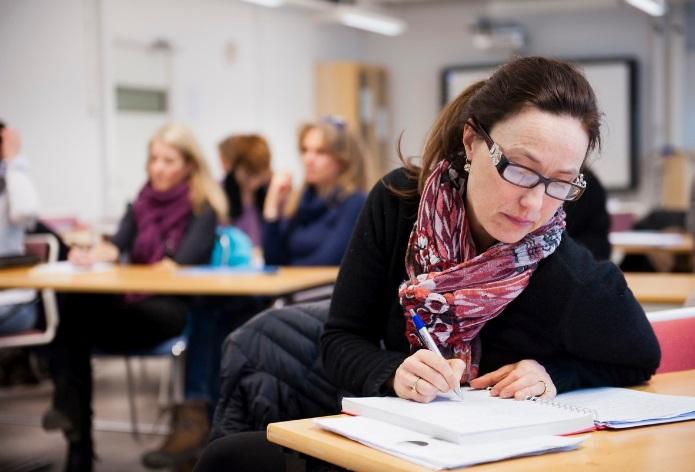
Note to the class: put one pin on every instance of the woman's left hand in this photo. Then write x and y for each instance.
(523, 379)
(165, 264)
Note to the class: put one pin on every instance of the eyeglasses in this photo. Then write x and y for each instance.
(336, 121)
(524, 177)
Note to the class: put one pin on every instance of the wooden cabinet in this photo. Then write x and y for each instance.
(358, 93)
(676, 181)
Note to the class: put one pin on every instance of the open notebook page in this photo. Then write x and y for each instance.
(621, 407)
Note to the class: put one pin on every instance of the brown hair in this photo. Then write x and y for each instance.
(248, 151)
(549, 85)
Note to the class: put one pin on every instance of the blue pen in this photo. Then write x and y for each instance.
(427, 340)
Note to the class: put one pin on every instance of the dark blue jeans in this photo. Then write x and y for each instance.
(210, 321)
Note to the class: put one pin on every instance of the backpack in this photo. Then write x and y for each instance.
(233, 248)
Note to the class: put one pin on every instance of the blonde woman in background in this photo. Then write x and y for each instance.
(313, 226)
(245, 159)
(172, 221)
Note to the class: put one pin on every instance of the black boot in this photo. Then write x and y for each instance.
(80, 456)
(56, 420)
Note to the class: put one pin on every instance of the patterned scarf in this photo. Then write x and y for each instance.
(455, 291)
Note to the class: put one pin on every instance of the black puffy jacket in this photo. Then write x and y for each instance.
(271, 371)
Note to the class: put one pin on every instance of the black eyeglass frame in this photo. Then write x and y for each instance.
(501, 162)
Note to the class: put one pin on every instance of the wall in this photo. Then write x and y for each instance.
(690, 73)
(54, 85)
(49, 90)
(56, 75)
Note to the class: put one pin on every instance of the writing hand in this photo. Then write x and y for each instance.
(424, 374)
(519, 380)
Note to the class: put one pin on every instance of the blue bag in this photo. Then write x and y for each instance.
(233, 248)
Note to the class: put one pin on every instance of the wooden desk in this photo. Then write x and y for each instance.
(664, 447)
(146, 279)
(661, 287)
(641, 242)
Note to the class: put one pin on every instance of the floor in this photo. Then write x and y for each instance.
(23, 441)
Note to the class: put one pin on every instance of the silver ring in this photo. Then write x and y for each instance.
(545, 388)
(413, 387)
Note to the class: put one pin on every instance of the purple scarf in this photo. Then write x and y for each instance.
(161, 219)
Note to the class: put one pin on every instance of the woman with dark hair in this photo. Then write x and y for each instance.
(246, 163)
(473, 240)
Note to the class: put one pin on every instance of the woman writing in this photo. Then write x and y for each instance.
(172, 221)
(473, 240)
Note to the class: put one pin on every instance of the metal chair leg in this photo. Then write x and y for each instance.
(131, 399)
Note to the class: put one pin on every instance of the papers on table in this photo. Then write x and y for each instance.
(223, 270)
(435, 453)
(654, 239)
(66, 268)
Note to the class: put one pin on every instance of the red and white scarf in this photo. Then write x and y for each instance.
(454, 290)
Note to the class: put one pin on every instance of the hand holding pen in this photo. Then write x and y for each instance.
(425, 374)
(429, 343)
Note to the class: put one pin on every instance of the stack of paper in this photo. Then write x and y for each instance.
(435, 453)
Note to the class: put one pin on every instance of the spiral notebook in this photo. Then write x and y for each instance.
(478, 418)
(618, 408)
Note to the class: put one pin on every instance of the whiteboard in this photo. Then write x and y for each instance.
(614, 82)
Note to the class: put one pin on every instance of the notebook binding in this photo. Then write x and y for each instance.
(565, 406)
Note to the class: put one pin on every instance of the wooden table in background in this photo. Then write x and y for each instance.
(641, 242)
(661, 287)
(668, 447)
(134, 278)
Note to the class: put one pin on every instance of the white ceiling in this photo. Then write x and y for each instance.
(553, 4)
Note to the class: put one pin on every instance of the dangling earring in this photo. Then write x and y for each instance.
(467, 164)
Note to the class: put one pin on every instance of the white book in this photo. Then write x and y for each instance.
(478, 418)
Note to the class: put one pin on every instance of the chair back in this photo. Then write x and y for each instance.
(46, 247)
(675, 330)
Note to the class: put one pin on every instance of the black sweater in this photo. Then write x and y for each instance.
(576, 317)
(588, 221)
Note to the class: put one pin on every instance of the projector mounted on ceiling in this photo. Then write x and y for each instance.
(490, 34)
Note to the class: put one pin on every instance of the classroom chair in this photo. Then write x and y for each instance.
(46, 247)
(170, 380)
(675, 330)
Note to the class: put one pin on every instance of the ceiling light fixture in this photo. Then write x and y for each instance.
(369, 20)
(354, 15)
(651, 7)
(266, 3)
